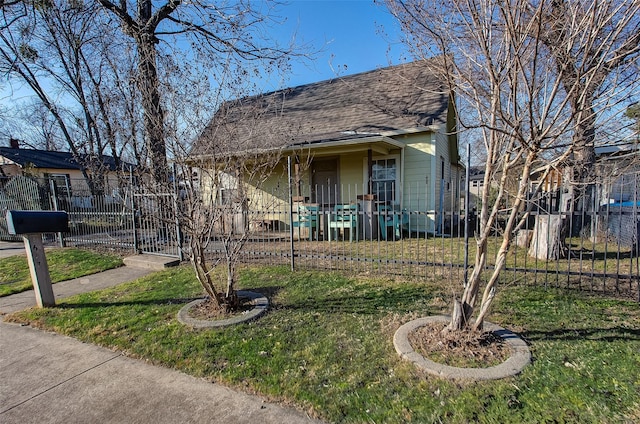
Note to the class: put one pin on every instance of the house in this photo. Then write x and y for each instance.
(618, 195)
(618, 170)
(386, 136)
(61, 169)
(476, 184)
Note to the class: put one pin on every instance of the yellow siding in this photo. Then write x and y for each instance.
(447, 203)
(417, 189)
(351, 177)
(419, 175)
(273, 197)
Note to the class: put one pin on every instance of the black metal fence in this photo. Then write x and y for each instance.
(123, 217)
(599, 252)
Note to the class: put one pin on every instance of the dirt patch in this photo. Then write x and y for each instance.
(209, 311)
(457, 348)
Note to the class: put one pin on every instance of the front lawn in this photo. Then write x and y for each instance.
(326, 347)
(64, 264)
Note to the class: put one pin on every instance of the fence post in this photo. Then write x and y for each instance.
(292, 248)
(136, 247)
(176, 208)
(54, 202)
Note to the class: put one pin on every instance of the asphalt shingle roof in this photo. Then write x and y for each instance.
(380, 102)
(49, 159)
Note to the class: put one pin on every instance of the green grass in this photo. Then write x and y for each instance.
(326, 346)
(586, 257)
(64, 264)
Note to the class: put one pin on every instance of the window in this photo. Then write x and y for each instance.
(61, 184)
(228, 196)
(383, 178)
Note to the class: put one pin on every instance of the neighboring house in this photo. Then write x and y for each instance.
(618, 168)
(476, 184)
(60, 168)
(388, 135)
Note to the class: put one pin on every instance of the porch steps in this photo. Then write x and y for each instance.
(154, 262)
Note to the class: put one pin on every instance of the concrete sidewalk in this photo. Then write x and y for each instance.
(48, 378)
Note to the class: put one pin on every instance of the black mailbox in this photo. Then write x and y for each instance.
(28, 222)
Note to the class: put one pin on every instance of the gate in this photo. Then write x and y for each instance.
(19, 193)
(157, 230)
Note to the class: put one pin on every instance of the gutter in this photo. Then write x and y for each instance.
(347, 142)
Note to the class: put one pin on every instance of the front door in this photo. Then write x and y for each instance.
(325, 189)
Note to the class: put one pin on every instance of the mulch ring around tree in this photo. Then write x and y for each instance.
(464, 349)
(199, 314)
(207, 309)
(458, 356)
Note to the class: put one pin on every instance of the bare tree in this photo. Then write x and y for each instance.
(60, 54)
(595, 47)
(223, 185)
(223, 51)
(512, 93)
(210, 29)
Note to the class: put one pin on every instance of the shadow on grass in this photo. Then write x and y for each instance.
(588, 255)
(156, 302)
(596, 334)
(366, 302)
(267, 291)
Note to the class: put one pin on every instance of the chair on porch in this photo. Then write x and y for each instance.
(345, 217)
(307, 217)
(389, 218)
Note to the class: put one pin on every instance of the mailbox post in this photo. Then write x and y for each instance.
(31, 225)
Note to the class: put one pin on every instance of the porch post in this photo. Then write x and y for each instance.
(297, 176)
(370, 171)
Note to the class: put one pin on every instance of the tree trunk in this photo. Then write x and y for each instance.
(203, 273)
(547, 242)
(153, 112)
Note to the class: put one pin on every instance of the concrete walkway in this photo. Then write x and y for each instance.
(48, 378)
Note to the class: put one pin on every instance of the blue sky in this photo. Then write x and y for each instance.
(353, 36)
(348, 36)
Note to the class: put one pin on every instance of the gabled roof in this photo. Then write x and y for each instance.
(397, 99)
(49, 159)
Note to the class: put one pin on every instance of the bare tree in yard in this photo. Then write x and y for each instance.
(193, 57)
(510, 92)
(596, 50)
(234, 157)
(60, 52)
(206, 29)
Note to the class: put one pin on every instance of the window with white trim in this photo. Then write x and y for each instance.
(384, 179)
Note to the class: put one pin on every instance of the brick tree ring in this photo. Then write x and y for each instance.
(260, 304)
(520, 354)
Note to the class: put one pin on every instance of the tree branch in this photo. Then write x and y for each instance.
(121, 12)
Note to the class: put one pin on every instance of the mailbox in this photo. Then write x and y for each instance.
(30, 222)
